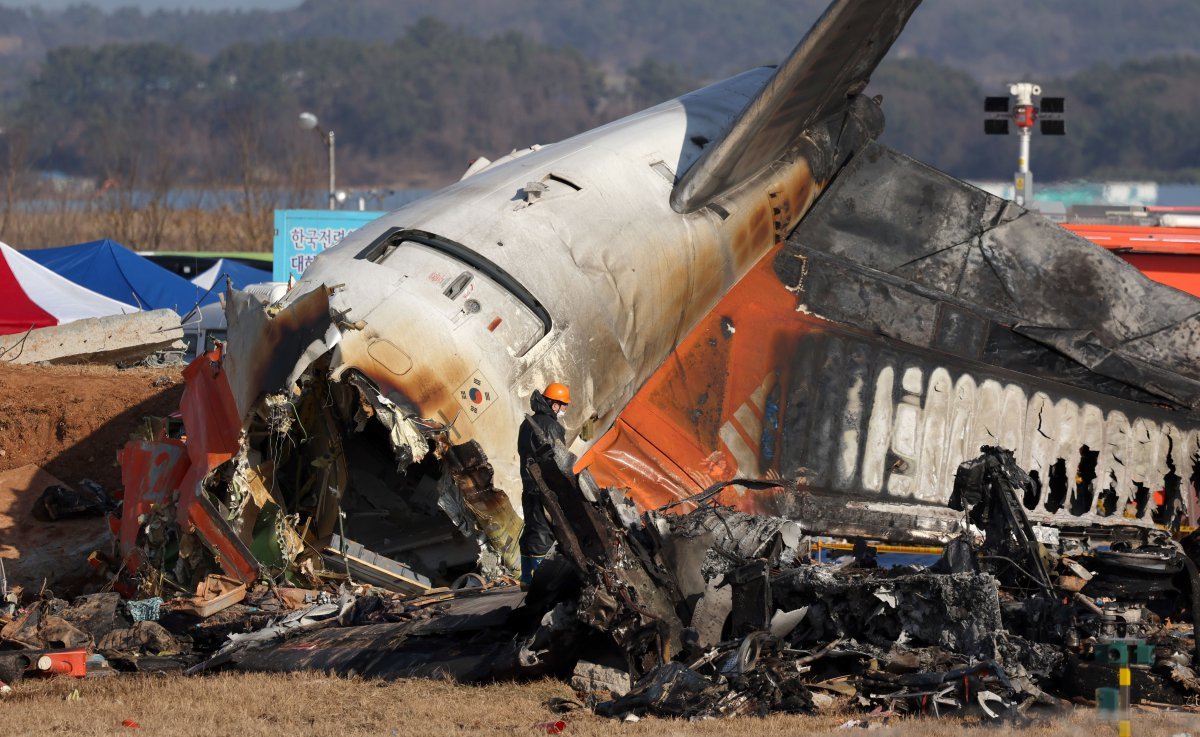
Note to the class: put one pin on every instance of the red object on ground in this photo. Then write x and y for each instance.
(551, 727)
(62, 662)
(131, 724)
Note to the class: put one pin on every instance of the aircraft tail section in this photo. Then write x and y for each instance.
(832, 64)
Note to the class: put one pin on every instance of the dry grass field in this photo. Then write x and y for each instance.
(163, 229)
(308, 704)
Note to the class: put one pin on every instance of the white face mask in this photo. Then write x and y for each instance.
(562, 413)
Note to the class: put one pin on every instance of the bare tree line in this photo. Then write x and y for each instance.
(145, 202)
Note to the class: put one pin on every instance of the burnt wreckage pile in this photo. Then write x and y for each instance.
(715, 612)
(711, 613)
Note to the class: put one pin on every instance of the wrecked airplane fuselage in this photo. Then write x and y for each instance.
(735, 284)
(458, 306)
(412, 345)
(909, 320)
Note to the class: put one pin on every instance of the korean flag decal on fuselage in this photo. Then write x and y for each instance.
(475, 395)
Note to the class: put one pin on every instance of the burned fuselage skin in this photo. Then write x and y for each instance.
(565, 263)
(908, 321)
(619, 276)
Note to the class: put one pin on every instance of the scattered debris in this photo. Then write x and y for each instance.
(555, 727)
(714, 613)
(328, 497)
(214, 594)
(62, 502)
(144, 609)
(62, 662)
(985, 630)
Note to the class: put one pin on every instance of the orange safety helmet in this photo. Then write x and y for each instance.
(558, 393)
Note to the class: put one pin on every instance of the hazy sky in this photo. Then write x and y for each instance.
(155, 4)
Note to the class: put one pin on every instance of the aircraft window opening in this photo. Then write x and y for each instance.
(1168, 509)
(1106, 503)
(1057, 486)
(1083, 499)
(1137, 503)
(1033, 493)
(1193, 485)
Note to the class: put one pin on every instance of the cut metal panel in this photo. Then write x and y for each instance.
(366, 566)
(468, 641)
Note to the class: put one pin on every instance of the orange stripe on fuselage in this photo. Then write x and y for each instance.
(667, 443)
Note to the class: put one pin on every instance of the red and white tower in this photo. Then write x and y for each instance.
(1024, 115)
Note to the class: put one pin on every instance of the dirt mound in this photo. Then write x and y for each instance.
(71, 420)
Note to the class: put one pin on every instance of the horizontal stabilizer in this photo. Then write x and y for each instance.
(833, 62)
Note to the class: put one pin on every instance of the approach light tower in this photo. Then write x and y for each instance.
(1024, 114)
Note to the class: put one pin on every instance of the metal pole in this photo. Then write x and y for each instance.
(1123, 681)
(1025, 188)
(332, 174)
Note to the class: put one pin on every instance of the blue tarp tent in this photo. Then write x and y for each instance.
(240, 274)
(115, 271)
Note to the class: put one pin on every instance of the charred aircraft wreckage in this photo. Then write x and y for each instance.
(773, 327)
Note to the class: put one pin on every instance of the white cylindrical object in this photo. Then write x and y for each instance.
(1178, 220)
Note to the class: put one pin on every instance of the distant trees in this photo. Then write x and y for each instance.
(413, 111)
(709, 39)
(416, 109)
(656, 81)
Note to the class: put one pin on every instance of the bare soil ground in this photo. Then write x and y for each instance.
(71, 420)
(308, 704)
(62, 424)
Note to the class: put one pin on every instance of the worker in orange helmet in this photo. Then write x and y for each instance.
(541, 437)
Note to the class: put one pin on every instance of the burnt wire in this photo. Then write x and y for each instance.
(702, 498)
(1014, 564)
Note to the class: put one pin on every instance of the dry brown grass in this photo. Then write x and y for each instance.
(218, 229)
(308, 704)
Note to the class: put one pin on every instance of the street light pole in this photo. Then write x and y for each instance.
(332, 172)
(308, 121)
